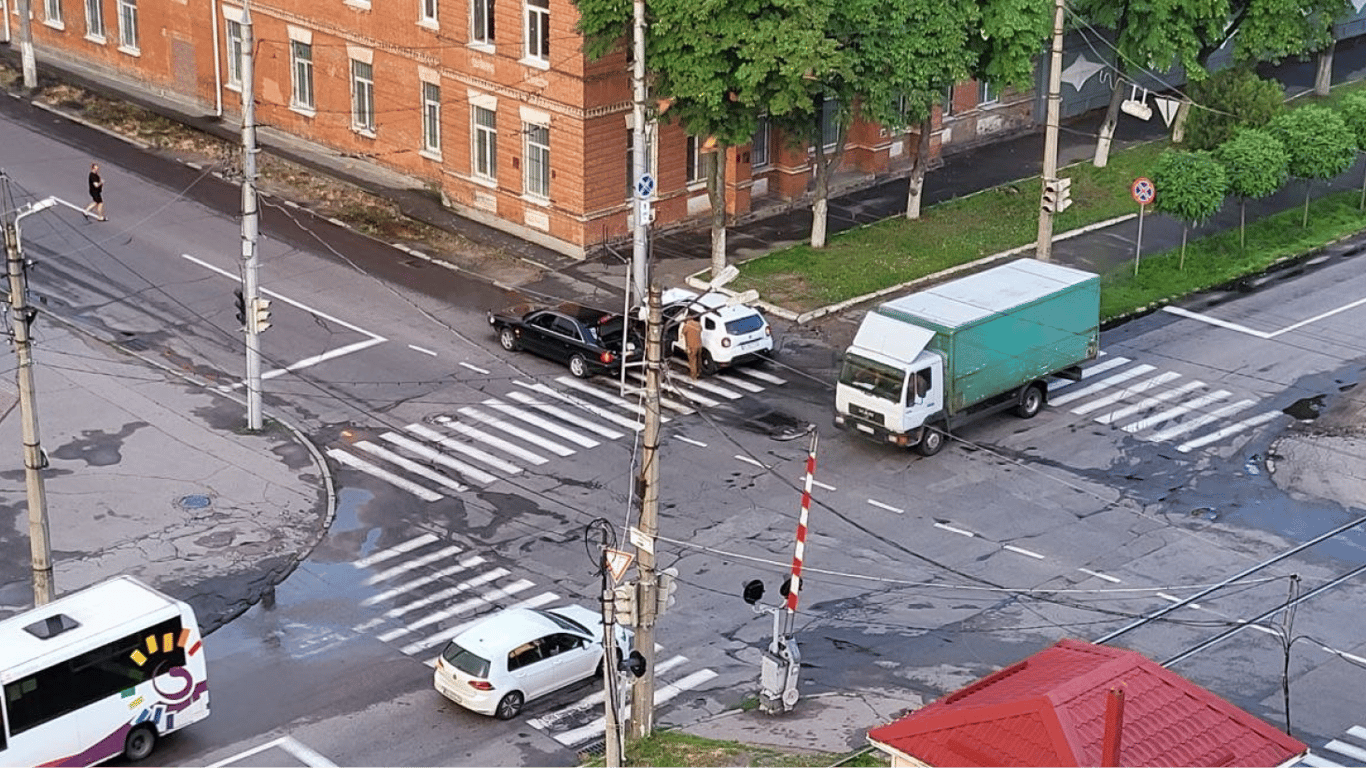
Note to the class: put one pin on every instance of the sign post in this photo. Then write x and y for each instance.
(1143, 192)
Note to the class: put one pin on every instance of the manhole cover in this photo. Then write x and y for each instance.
(195, 501)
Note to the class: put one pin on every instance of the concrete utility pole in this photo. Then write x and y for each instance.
(1044, 249)
(250, 263)
(643, 690)
(640, 156)
(26, 44)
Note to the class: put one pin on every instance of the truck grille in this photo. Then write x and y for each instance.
(866, 414)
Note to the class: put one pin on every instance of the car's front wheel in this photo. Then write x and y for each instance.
(709, 366)
(508, 338)
(509, 706)
(578, 365)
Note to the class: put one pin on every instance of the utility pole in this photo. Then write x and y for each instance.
(640, 156)
(34, 460)
(643, 690)
(250, 262)
(1044, 248)
(26, 44)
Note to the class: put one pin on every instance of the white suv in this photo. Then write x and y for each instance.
(730, 334)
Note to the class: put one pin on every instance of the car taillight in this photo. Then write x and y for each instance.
(481, 685)
(768, 330)
(606, 358)
(725, 342)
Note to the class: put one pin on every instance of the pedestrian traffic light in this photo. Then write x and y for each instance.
(260, 315)
(624, 603)
(666, 584)
(241, 306)
(1057, 195)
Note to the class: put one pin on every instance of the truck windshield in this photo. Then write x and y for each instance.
(877, 379)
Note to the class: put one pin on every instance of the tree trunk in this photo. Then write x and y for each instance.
(1323, 79)
(820, 196)
(1182, 265)
(1242, 223)
(1307, 186)
(1107, 128)
(1179, 123)
(915, 188)
(716, 195)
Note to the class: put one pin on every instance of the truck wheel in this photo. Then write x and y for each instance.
(1031, 402)
(931, 441)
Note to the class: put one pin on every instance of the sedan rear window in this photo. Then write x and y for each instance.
(465, 661)
(742, 325)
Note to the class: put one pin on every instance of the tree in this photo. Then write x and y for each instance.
(1231, 99)
(1318, 145)
(1190, 187)
(1353, 111)
(1255, 164)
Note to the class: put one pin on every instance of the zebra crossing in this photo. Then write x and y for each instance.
(430, 589)
(530, 425)
(1158, 406)
(1349, 749)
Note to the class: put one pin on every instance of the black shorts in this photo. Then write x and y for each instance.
(96, 196)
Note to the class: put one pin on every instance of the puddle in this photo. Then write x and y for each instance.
(1305, 409)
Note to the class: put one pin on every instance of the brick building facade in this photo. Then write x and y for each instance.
(491, 102)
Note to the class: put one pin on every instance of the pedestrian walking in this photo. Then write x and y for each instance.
(692, 339)
(96, 192)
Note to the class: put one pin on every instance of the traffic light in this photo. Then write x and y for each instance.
(1057, 195)
(635, 664)
(624, 603)
(260, 315)
(754, 592)
(666, 584)
(241, 307)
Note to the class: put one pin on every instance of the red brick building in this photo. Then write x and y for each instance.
(491, 102)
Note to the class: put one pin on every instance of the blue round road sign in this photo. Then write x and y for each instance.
(645, 186)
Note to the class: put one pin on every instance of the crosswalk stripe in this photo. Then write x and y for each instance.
(474, 433)
(1314, 761)
(395, 551)
(513, 429)
(531, 602)
(409, 586)
(1105, 383)
(565, 416)
(1171, 413)
(1088, 372)
(1127, 392)
(1148, 402)
(1357, 731)
(355, 462)
(662, 695)
(412, 466)
(1200, 421)
(479, 602)
(579, 402)
(432, 435)
(760, 375)
(736, 381)
(471, 473)
(464, 606)
(593, 699)
(1228, 431)
(1343, 748)
(558, 430)
(670, 386)
(409, 565)
(604, 395)
(464, 586)
(707, 386)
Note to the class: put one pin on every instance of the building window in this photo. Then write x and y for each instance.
(302, 53)
(431, 118)
(428, 12)
(758, 153)
(485, 144)
(234, 43)
(481, 21)
(52, 12)
(538, 30)
(948, 102)
(696, 161)
(986, 94)
(362, 96)
(830, 122)
(128, 24)
(537, 160)
(94, 18)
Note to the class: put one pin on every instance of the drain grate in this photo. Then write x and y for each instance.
(593, 749)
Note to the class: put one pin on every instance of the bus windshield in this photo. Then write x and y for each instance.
(877, 379)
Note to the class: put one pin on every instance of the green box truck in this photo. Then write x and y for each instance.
(923, 363)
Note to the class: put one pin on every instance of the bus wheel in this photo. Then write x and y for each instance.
(139, 743)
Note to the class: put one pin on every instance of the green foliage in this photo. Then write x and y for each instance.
(1190, 185)
(904, 54)
(1271, 30)
(1232, 98)
(1255, 163)
(1318, 143)
(1353, 111)
(1009, 38)
(604, 24)
(1159, 34)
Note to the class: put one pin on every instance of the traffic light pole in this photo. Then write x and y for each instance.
(1044, 248)
(643, 690)
(250, 261)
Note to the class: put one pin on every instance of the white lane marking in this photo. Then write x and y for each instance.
(697, 443)
(816, 483)
(457, 609)
(446, 634)
(355, 462)
(1232, 429)
(1175, 599)
(558, 430)
(408, 586)
(426, 559)
(1105, 383)
(1114, 397)
(471, 473)
(736, 381)
(662, 695)
(432, 435)
(464, 586)
(760, 375)
(579, 402)
(1148, 402)
(395, 551)
(1171, 413)
(299, 751)
(1343, 748)
(474, 433)
(412, 466)
(1314, 761)
(1088, 372)
(1200, 421)
(1259, 628)
(951, 529)
(887, 507)
(474, 368)
(1022, 551)
(1100, 575)
(513, 429)
(565, 416)
(707, 386)
(748, 460)
(423, 350)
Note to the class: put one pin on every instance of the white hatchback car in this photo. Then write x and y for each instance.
(518, 654)
(730, 334)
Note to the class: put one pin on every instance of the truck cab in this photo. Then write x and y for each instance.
(882, 395)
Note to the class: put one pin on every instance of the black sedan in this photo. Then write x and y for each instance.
(588, 340)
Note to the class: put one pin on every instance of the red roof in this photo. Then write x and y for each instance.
(1050, 710)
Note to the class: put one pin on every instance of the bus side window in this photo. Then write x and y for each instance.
(918, 386)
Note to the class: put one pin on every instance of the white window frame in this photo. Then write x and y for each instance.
(94, 20)
(427, 13)
(536, 161)
(946, 110)
(484, 143)
(830, 123)
(128, 27)
(52, 14)
(232, 45)
(482, 30)
(537, 33)
(763, 137)
(431, 119)
(363, 97)
(986, 94)
(301, 95)
(695, 167)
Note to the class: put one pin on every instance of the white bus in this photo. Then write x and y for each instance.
(98, 673)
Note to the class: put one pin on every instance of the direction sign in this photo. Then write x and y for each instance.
(645, 186)
(1143, 191)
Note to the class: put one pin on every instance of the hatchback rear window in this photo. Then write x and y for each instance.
(465, 661)
(742, 325)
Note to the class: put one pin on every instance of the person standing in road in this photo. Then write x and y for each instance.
(96, 192)
(692, 339)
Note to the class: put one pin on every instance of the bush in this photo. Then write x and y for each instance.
(1232, 98)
